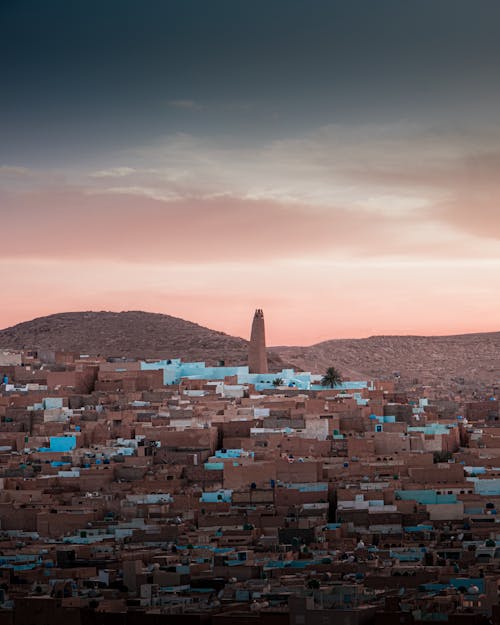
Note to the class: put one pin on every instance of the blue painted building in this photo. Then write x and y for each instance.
(175, 370)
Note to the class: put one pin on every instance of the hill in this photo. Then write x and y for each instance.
(430, 359)
(131, 333)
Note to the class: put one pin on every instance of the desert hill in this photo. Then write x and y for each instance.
(131, 333)
(473, 357)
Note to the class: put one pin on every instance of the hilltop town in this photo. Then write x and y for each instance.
(158, 490)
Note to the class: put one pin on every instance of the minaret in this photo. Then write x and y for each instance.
(257, 357)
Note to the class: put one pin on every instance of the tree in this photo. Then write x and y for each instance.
(331, 378)
(278, 382)
(313, 584)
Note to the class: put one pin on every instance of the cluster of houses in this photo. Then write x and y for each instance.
(137, 491)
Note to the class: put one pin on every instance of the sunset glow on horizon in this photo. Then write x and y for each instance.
(337, 166)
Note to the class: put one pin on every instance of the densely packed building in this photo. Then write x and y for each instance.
(156, 492)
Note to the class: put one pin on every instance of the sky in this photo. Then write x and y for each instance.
(334, 163)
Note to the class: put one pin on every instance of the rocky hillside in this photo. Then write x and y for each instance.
(131, 333)
(430, 359)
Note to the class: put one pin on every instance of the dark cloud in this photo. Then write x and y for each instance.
(79, 78)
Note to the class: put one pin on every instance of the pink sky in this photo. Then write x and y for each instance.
(388, 239)
(337, 301)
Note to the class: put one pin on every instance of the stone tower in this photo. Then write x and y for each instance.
(257, 357)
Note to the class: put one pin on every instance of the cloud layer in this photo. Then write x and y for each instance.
(395, 228)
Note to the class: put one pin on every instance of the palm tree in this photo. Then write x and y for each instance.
(331, 378)
(278, 382)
